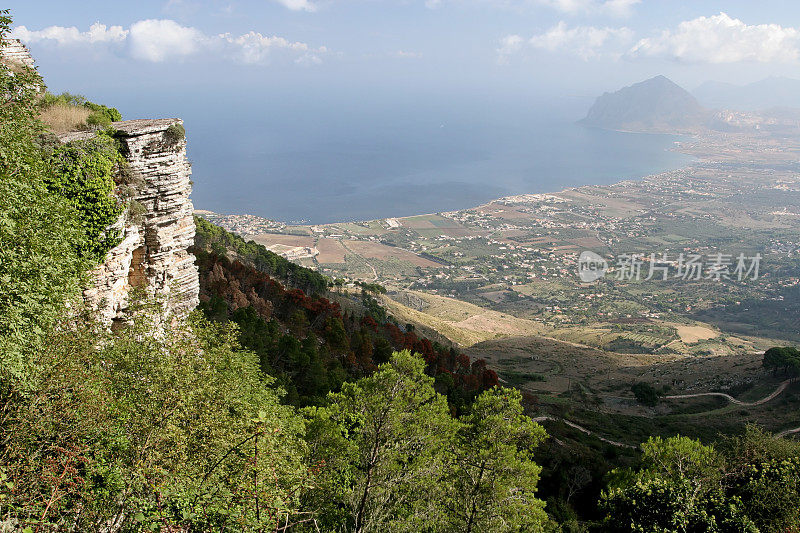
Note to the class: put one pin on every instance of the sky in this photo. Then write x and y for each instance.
(414, 49)
(357, 102)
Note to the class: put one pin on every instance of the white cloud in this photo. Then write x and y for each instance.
(509, 45)
(722, 39)
(159, 40)
(97, 33)
(298, 5)
(585, 42)
(254, 48)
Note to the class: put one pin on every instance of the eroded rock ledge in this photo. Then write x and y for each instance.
(153, 255)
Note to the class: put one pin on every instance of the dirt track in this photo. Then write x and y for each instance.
(733, 400)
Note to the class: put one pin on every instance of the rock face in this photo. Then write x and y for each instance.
(153, 255)
(654, 105)
(14, 51)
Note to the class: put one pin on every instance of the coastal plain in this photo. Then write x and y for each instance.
(501, 281)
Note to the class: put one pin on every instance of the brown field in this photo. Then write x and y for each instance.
(565, 363)
(471, 321)
(690, 334)
(330, 251)
(381, 251)
(589, 243)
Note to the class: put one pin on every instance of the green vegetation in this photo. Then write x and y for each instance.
(395, 460)
(96, 115)
(786, 359)
(280, 406)
(82, 173)
(148, 431)
(175, 134)
(749, 483)
(645, 394)
(41, 231)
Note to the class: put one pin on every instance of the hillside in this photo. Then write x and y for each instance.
(159, 373)
(654, 105)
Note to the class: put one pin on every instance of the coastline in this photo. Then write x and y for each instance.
(263, 221)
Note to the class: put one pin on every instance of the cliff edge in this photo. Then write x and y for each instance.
(153, 255)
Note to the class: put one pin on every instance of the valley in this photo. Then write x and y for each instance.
(501, 280)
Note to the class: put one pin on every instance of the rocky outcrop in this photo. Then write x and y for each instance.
(153, 255)
(15, 52)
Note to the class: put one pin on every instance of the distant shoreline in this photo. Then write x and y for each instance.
(296, 224)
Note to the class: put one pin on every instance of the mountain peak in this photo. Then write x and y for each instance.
(655, 104)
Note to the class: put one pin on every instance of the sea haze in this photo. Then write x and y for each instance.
(342, 159)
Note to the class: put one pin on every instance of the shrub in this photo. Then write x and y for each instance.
(69, 112)
(645, 394)
(82, 173)
(175, 134)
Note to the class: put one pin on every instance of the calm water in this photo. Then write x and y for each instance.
(299, 163)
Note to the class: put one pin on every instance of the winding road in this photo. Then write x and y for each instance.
(584, 430)
(774, 394)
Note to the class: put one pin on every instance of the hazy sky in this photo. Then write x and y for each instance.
(409, 47)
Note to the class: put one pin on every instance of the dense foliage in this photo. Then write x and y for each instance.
(749, 483)
(39, 230)
(306, 340)
(785, 359)
(144, 431)
(393, 459)
(82, 172)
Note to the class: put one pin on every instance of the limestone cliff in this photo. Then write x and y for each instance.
(14, 51)
(153, 254)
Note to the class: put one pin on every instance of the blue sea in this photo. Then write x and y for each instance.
(346, 159)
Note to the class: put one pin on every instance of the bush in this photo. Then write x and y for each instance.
(82, 173)
(645, 394)
(69, 112)
(175, 134)
(180, 432)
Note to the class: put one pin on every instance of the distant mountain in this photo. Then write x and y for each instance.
(656, 105)
(765, 94)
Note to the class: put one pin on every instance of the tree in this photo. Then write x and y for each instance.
(492, 484)
(785, 358)
(677, 489)
(763, 471)
(175, 431)
(645, 394)
(40, 232)
(381, 445)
